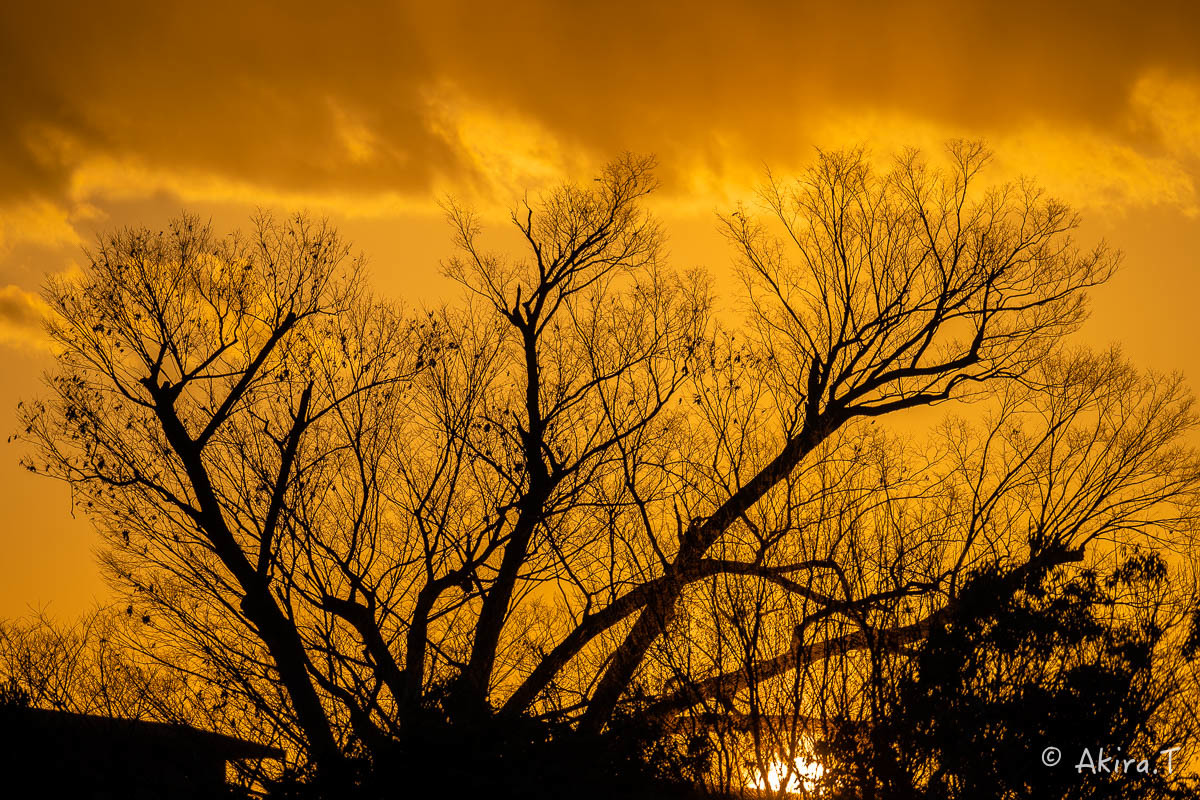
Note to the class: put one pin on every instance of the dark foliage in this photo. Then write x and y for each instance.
(461, 755)
(1027, 661)
(13, 696)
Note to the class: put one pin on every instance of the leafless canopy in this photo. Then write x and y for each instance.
(577, 479)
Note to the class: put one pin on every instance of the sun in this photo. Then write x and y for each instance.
(801, 776)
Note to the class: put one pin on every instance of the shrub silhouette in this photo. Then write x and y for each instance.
(1024, 663)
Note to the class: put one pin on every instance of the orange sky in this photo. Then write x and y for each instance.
(128, 116)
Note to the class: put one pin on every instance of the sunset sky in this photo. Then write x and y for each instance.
(370, 115)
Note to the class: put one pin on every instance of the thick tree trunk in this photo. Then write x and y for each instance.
(700, 536)
(278, 634)
(287, 651)
(476, 679)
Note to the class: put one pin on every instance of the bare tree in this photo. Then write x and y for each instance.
(575, 488)
(1079, 464)
(85, 667)
(904, 291)
(200, 380)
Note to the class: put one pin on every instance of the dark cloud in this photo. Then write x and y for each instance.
(267, 93)
(246, 90)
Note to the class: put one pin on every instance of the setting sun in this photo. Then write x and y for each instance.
(801, 775)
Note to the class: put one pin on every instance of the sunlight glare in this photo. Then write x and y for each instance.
(802, 776)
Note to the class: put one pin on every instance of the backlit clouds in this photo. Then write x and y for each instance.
(397, 98)
(378, 111)
(247, 90)
(39, 221)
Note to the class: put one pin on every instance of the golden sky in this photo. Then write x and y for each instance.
(130, 115)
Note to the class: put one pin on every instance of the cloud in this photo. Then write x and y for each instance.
(41, 222)
(21, 317)
(1169, 108)
(304, 98)
(1083, 166)
(131, 178)
(246, 90)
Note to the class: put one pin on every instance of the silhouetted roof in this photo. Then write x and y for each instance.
(36, 721)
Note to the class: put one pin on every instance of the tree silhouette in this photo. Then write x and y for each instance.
(85, 666)
(1027, 660)
(576, 492)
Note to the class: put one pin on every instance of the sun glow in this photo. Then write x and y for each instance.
(800, 776)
